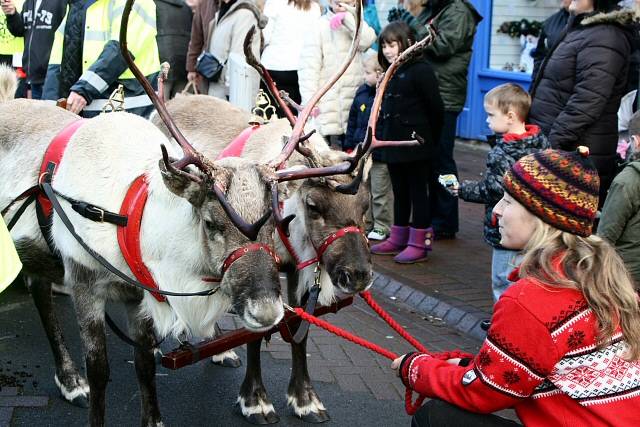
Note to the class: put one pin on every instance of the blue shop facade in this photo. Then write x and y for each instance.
(501, 54)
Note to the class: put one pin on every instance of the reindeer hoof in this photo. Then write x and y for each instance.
(80, 401)
(315, 417)
(270, 418)
(157, 355)
(228, 359)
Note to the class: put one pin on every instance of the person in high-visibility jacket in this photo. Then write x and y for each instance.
(11, 49)
(10, 264)
(92, 65)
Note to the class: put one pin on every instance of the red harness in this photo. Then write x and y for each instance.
(236, 147)
(133, 208)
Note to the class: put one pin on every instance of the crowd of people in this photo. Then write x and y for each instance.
(565, 296)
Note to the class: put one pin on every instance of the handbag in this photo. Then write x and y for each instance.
(209, 67)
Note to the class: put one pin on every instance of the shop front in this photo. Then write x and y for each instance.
(502, 54)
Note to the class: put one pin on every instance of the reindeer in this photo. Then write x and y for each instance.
(199, 219)
(321, 206)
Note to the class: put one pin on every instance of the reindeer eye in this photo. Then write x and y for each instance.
(313, 209)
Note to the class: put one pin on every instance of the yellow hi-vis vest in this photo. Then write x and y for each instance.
(10, 45)
(102, 24)
(10, 264)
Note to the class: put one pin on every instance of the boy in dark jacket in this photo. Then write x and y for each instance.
(37, 23)
(507, 106)
(620, 219)
(380, 215)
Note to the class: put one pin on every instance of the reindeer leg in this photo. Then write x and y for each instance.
(141, 330)
(89, 299)
(253, 400)
(301, 396)
(73, 387)
(228, 359)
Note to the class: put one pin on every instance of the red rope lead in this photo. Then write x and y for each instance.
(346, 335)
(409, 406)
(366, 295)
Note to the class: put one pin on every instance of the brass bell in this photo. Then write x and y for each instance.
(116, 101)
(263, 110)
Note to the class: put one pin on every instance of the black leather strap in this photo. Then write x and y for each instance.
(48, 190)
(21, 209)
(93, 212)
(309, 308)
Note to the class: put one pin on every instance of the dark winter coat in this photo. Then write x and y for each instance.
(38, 32)
(552, 29)
(359, 118)
(620, 220)
(450, 53)
(507, 150)
(577, 93)
(411, 103)
(204, 14)
(173, 21)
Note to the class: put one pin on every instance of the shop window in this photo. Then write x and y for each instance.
(515, 27)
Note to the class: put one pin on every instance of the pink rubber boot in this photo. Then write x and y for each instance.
(418, 246)
(396, 242)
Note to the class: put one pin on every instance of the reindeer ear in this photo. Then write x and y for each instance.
(183, 186)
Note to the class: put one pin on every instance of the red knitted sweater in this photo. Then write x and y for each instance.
(539, 358)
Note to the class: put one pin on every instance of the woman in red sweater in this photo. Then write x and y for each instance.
(563, 348)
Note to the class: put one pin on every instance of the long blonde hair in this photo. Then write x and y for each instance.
(591, 265)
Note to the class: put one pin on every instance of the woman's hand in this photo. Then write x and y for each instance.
(395, 365)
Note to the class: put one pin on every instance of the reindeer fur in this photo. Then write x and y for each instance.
(211, 133)
(181, 242)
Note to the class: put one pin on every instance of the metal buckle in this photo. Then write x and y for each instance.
(98, 211)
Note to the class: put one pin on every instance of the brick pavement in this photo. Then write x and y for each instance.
(455, 283)
(356, 369)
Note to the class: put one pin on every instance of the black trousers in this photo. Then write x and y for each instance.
(286, 81)
(438, 413)
(444, 207)
(411, 193)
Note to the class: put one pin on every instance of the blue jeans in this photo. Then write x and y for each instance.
(503, 262)
(36, 91)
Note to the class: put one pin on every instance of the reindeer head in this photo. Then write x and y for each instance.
(232, 205)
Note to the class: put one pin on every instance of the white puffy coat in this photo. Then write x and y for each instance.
(323, 52)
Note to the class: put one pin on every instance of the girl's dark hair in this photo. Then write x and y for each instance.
(301, 4)
(604, 5)
(396, 31)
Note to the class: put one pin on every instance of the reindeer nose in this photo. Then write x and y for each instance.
(356, 279)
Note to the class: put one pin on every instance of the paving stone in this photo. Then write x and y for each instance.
(5, 416)
(467, 322)
(351, 382)
(9, 391)
(441, 310)
(428, 304)
(453, 316)
(382, 390)
(415, 299)
(23, 401)
(392, 287)
(403, 293)
(332, 351)
(321, 374)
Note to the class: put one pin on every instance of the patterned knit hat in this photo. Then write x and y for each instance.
(559, 187)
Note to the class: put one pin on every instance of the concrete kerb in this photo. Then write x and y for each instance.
(452, 311)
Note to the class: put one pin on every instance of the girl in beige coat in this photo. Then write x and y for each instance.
(325, 47)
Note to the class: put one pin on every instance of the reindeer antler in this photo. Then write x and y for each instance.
(298, 129)
(264, 74)
(191, 155)
(371, 141)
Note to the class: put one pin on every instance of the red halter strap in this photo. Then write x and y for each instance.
(244, 250)
(320, 250)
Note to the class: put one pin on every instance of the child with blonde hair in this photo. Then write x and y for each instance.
(506, 106)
